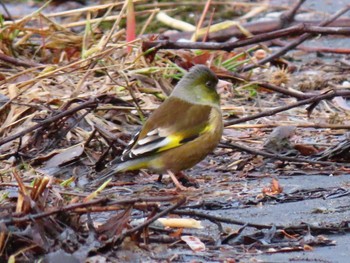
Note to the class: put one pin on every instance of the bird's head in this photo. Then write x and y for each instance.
(199, 86)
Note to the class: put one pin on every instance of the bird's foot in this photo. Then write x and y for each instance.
(186, 180)
(160, 177)
(176, 182)
(182, 181)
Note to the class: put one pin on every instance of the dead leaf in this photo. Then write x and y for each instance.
(194, 243)
(342, 103)
(305, 149)
(66, 155)
(177, 233)
(308, 248)
(274, 189)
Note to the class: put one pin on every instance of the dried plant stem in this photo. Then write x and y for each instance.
(228, 46)
(300, 125)
(326, 96)
(298, 41)
(54, 118)
(277, 156)
(180, 202)
(101, 201)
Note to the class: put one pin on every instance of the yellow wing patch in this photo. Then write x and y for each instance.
(180, 138)
(173, 141)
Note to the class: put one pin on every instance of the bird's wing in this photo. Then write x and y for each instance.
(159, 134)
(159, 140)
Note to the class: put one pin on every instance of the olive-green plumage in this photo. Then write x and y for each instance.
(181, 132)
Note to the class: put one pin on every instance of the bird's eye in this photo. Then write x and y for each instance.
(209, 84)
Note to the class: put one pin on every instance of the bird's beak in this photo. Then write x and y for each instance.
(222, 84)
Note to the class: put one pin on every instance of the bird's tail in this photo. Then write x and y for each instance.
(117, 166)
(113, 168)
(105, 175)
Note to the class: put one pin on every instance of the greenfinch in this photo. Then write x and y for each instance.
(181, 132)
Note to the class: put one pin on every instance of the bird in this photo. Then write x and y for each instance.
(181, 132)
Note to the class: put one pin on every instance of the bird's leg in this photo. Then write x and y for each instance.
(160, 177)
(176, 182)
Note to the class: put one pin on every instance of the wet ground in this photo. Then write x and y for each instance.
(310, 211)
(307, 198)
